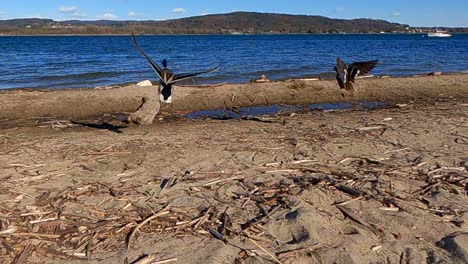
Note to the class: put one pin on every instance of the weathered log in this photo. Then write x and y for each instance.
(147, 111)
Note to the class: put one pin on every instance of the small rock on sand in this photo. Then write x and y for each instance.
(145, 83)
(435, 73)
(457, 245)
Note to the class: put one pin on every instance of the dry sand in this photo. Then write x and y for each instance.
(346, 186)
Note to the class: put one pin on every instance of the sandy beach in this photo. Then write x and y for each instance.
(358, 185)
(85, 103)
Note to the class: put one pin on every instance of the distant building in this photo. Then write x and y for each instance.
(28, 26)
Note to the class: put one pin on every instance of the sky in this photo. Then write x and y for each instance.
(451, 13)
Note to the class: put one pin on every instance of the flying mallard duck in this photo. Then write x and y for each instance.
(166, 77)
(346, 75)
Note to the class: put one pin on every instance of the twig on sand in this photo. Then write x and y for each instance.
(36, 213)
(39, 177)
(282, 171)
(8, 231)
(130, 238)
(370, 128)
(390, 209)
(146, 260)
(43, 220)
(23, 257)
(165, 261)
(203, 218)
(259, 119)
(32, 235)
(75, 256)
(294, 252)
(25, 166)
(304, 161)
(150, 259)
(397, 150)
(357, 219)
(266, 251)
(219, 181)
(349, 190)
(257, 238)
(350, 201)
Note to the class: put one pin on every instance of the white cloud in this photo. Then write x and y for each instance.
(108, 16)
(68, 9)
(396, 14)
(132, 14)
(2, 14)
(204, 14)
(339, 9)
(178, 10)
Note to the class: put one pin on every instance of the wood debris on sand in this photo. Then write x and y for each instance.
(243, 204)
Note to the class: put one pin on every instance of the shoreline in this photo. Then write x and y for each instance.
(246, 34)
(325, 76)
(83, 103)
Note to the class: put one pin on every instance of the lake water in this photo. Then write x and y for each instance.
(90, 61)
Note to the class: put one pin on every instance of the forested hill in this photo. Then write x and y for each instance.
(232, 23)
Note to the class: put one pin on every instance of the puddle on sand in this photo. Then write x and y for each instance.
(225, 114)
(245, 111)
(338, 106)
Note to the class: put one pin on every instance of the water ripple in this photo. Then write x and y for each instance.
(89, 61)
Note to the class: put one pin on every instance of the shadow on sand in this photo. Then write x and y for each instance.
(102, 126)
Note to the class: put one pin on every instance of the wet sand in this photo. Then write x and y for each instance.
(358, 185)
(82, 103)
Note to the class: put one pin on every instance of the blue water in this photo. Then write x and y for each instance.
(90, 61)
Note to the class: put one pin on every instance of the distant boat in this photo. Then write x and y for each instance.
(439, 34)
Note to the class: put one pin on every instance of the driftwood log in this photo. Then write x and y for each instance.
(149, 108)
(147, 111)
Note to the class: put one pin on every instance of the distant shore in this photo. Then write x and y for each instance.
(246, 34)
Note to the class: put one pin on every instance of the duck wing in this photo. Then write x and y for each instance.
(341, 72)
(153, 64)
(184, 76)
(360, 68)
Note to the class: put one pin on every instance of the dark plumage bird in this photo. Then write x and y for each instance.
(166, 77)
(346, 75)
